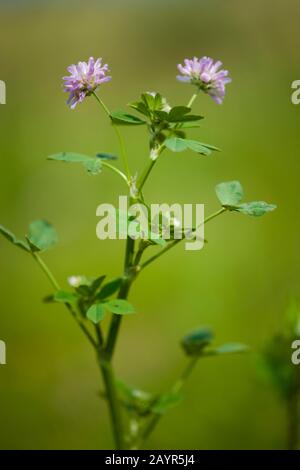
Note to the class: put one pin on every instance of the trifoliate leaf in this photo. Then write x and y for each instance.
(92, 164)
(194, 343)
(41, 235)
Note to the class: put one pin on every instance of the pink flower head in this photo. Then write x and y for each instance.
(206, 75)
(84, 78)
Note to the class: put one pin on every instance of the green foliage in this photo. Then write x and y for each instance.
(96, 312)
(166, 401)
(92, 165)
(227, 348)
(65, 297)
(197, 343)
(13, 239)
(255, 208)
(41, 235)
(230, 195)
(106, 156)
(178, 144)
(194, 343)
(275, 364)
(125, 119)
(120, 307)
(110, 288)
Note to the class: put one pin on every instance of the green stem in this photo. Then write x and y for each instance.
(185, 375)
(177, 387)
(190, 103)
(56, 286)
(118, 133)
(46, 270)
(175, 242)
(151, 164)
(116, 170)
(123, 294)
(113, 402)
(145, 174)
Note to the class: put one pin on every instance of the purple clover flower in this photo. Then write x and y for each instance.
(205, 74)
(84, 78)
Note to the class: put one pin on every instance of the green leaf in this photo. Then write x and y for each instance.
(91, 164)
(255, 208)
(120, 307)
(150, 101)
(96, 284)
(228, 348)
(84, 291)
(166, 401)
(140, 107)
(230, 193)
(231, 348)
(106, 156)
(96, 313)
(181, 114)
(42, 235)
(65, 297)
(122, 118)
(110, 288)
(12, 238)
(134, 399)
(189, 125)
(178, 112)
(177, 144)
(194, 343)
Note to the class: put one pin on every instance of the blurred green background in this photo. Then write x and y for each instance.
(239, 284)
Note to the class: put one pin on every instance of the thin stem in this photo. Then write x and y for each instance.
(175, 242)
(190, 103)
(46, 270)
(56, 286)
(185, 375)
(113, 401)
(145, 174)
(118, 133)
(177, 387)
(116, 170)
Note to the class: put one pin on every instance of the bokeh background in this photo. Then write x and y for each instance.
(239, 284)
